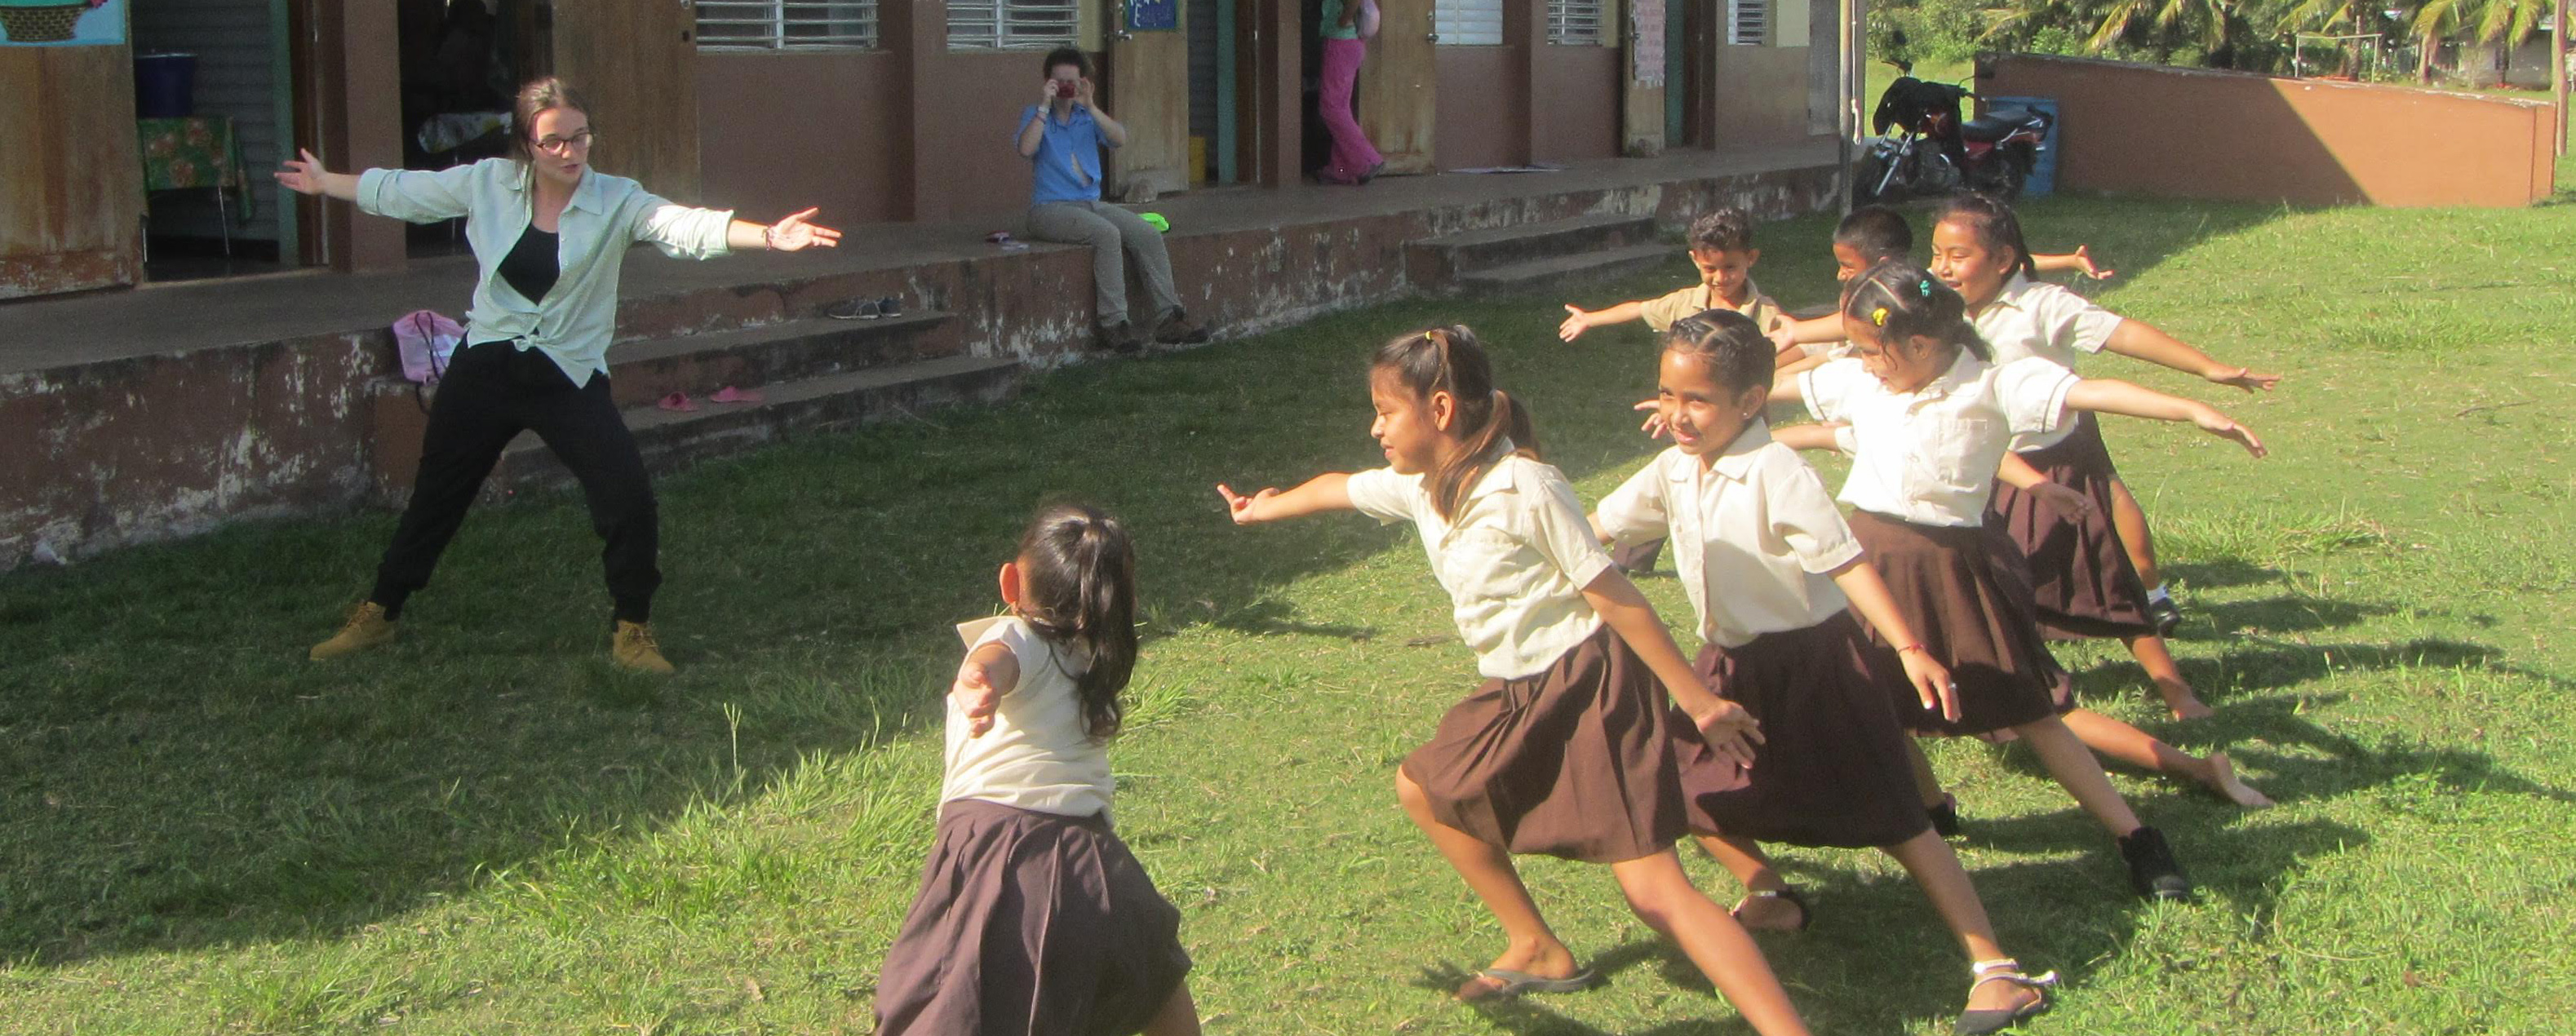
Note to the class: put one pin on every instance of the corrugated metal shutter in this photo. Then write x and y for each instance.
(1574, 22)
(1468, 23)
(1013, 24)
(236, 77)
(787, 24)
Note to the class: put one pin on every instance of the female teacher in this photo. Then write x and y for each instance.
(1346, 26)
(549, 235)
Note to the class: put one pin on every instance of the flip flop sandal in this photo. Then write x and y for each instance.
(1515, 983)
(678, 403)
(1789, 894)
(1995, 1019)
(730, 394)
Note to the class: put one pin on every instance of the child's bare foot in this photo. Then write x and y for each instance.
(2221, 777)
(2181, 701)
(1547, 961)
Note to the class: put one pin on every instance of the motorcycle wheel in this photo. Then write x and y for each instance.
(2006, 174)
(1866, 179)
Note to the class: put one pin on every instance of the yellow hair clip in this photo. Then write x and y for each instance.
(1878, 316)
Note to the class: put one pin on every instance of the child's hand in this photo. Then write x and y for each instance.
(2225, 427)
(1730, 731)
(1784, 340)
(2244, 378)
(1654, 426)
(2069, 502)
(1243, 508)
(974, 693)
(2084, 264)
(1932, 683)
(1576, 322)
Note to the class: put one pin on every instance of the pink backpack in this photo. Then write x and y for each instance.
(426, 340)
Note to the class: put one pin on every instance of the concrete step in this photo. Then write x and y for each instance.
(1446, 260)
(774, 354)
(1590, 266)
(671, 440)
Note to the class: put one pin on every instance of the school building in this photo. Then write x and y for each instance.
(186, 343)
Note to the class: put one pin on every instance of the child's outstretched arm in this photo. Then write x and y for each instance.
(2078, 261)
(1931, 680)
(1729, 730)
(2063, 499)
(1326, 492)
(1806, 436)
(988, 672)
(1579, 320)
(2105, 396)
(2138, 339)
(1792, 332)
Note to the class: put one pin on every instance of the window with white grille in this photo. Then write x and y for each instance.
(1468, 23)
(1748, 22)
(1575, 22)
(1013, 24)
(787, 24)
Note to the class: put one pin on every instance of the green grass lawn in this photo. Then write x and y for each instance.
(485, 829)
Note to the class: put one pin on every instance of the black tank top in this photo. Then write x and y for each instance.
(531, 267)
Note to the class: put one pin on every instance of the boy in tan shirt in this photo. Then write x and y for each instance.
(1721, 245)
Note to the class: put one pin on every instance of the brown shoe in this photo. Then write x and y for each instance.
(1124, 337)
(366, 629)
(1178, 329)
(636, 651)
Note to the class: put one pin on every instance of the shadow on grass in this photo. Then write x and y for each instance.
(173, 774)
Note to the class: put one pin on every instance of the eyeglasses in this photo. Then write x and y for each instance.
(558, 145)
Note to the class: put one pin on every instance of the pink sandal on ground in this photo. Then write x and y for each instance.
(730, 394)
(677, 402)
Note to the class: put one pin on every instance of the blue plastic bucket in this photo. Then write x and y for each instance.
(165, 86)
(2043, 173)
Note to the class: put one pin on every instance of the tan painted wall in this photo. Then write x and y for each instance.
(1761, 95)
(2207, 134)
(847, 157)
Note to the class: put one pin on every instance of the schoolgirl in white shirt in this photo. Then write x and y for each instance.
(1567, 747)
(1930, 419)
(1033, 917)
(1776, 578)
(2094, 573)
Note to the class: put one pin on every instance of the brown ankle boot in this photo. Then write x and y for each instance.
(635, 650)
(367, 629)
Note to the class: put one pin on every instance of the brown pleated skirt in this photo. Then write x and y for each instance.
(1832, 768)
(2081, 577)
(1029, 923)
(1637, 558)
(1576, 761)
(1965, 592)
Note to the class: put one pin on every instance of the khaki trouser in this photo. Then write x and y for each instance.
(1113, 233)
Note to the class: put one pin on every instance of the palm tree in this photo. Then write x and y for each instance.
(2505, 22)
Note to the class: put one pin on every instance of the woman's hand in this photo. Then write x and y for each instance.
(1576, 322)
(1046, 92)
(794, 234)
(1730, 731)
(2243, 378)
(1086, 95)
(1245, 509)
(1933, 685)
(303, 175)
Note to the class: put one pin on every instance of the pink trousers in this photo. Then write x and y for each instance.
(1353, 157)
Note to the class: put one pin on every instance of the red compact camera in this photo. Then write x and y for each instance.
(1065, 88)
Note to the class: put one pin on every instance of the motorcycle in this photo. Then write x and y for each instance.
(1934, 152)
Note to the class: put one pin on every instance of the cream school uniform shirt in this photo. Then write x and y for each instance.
(2035, 318)
(1514, 563)
(1928, 456)
(577, 319)
(1663, 311)
(1036, 756)
(1753, 533)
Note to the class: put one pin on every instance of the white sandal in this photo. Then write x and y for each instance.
(2002, 969)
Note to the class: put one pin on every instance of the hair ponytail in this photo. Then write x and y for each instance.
(1078, 587)
(1449, 359)
(1904, 301)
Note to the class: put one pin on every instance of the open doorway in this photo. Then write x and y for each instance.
(1219, 60)
(457, 81)
(215, 114)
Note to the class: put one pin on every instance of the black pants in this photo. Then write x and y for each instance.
(491, 393)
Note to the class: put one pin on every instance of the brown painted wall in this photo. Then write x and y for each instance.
(1761, 95)
(1574, 103)
(972, 105)
(828, 132)
(1472, 124)
(2207, 134)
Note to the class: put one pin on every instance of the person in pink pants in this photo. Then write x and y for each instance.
(1355, 161)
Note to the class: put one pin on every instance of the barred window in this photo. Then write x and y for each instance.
(1574, 22)
(1748, 22)
(1468, 23)
(787, 24)
(1013, 24)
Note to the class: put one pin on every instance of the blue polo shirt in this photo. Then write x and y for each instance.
(1075, 139)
